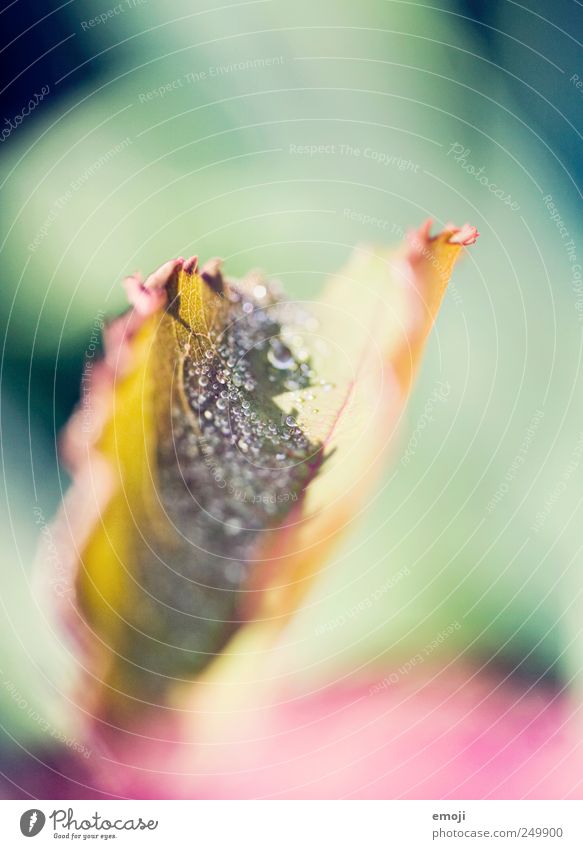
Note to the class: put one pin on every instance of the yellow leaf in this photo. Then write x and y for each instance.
(230, 437)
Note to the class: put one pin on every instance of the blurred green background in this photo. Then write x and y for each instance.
(233, 130)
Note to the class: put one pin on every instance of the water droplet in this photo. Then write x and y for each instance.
(279, 355)
(233, 527)
(234, 572)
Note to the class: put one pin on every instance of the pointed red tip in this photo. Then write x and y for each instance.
(191, 265)
(149, 296)
(465, 235)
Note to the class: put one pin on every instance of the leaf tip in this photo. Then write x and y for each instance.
(451, 234)
(465, 235)
(146, 297)
(212, 275)
(191, 265)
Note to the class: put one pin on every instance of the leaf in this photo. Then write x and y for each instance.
(373, 320)
(227, 438)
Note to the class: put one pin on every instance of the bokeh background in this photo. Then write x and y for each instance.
(280, 135)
